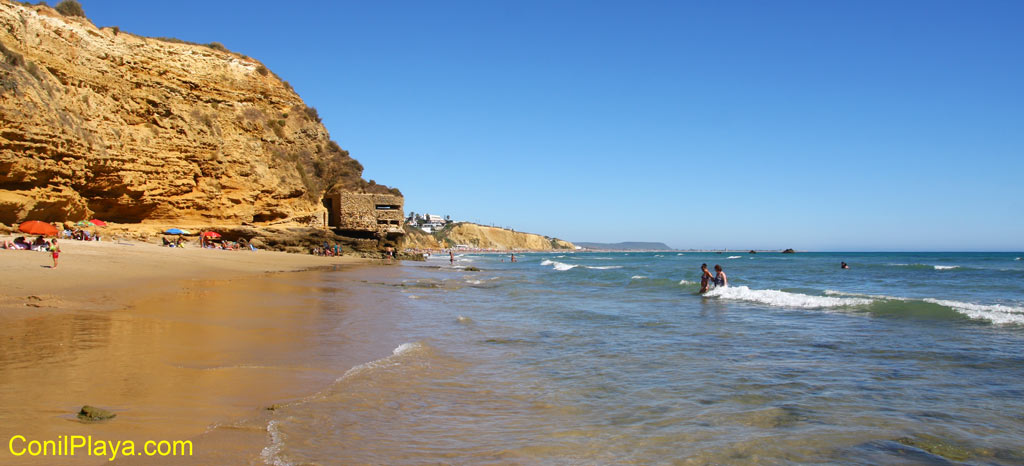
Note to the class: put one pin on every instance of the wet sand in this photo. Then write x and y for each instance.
(182, 344)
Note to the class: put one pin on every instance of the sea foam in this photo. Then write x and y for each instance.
(558, 265)
(946, 267)
(784, 298)
(733, 257)
(995, 313)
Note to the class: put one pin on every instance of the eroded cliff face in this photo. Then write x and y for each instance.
(100, 124)
(484, 237)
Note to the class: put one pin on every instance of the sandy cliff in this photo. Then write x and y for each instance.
(101, 123)
(485, 237)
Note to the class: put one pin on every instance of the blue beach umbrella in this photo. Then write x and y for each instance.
(176, 231)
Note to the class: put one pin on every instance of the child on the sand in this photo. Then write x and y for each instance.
(55, 250)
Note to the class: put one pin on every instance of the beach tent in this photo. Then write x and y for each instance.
(177, 231)
(35, 227)
(99, 223)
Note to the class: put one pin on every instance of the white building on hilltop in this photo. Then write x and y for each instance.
(429, 222)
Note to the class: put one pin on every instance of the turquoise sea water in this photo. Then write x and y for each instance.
(610, 358)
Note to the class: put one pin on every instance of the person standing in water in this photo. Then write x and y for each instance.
(705, 278)
(451, 257)
(513, 257)
(720, 279)
(844, 266)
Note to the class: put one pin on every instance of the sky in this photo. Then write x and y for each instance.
(840, 126)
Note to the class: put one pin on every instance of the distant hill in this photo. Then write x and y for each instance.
(626, 246)
(481, 236)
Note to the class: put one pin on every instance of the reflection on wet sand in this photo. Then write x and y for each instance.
(176, 367)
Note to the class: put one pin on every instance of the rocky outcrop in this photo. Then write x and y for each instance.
(482, 237)
(98, 123)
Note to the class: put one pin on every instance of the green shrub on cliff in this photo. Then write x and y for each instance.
(70, 8)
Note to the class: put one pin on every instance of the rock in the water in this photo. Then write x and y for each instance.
(92, 413)
(937, 446)
(472, 269)
(789, 251)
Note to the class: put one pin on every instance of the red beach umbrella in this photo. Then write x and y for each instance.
(210, 234)
(99, 223)
(35, 227)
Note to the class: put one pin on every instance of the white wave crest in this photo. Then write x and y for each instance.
(1016, 259)
(475, 282)
(946, 267)
(995, 313)
(686, 282)
(558, 265)
(679, 254)
(733, 257)
(783, 298)
(638, 277)
(602, 267)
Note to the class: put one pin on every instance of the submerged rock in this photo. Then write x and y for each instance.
(92, 413)
(471, 269)
(936, 446)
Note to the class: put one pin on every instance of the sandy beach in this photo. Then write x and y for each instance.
(183, 344)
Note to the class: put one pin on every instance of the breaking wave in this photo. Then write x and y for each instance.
(783, 298)
(557, 265)
(995, 313)
(733, 257)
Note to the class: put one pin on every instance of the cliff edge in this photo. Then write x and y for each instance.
(98, 123)
(482, 237)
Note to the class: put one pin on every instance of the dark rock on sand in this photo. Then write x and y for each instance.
(92, 413)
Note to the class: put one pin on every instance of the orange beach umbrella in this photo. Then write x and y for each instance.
(35, 227)
(99, 223)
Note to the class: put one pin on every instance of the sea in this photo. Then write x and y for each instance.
(615, 358)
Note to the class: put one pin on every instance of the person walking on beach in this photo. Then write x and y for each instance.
(720, 279)
(55, 251)
(705, 278)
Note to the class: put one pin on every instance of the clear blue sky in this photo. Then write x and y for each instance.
(859, 125)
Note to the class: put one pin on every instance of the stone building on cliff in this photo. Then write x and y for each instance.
(365, 215)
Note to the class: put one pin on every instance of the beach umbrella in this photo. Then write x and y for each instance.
(210, 234)
(83, 223)
(35, 227)
(99, 223)
(177, 231)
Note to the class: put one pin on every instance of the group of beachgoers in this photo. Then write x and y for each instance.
(706, 279)
(79, 234)
(39, 244)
